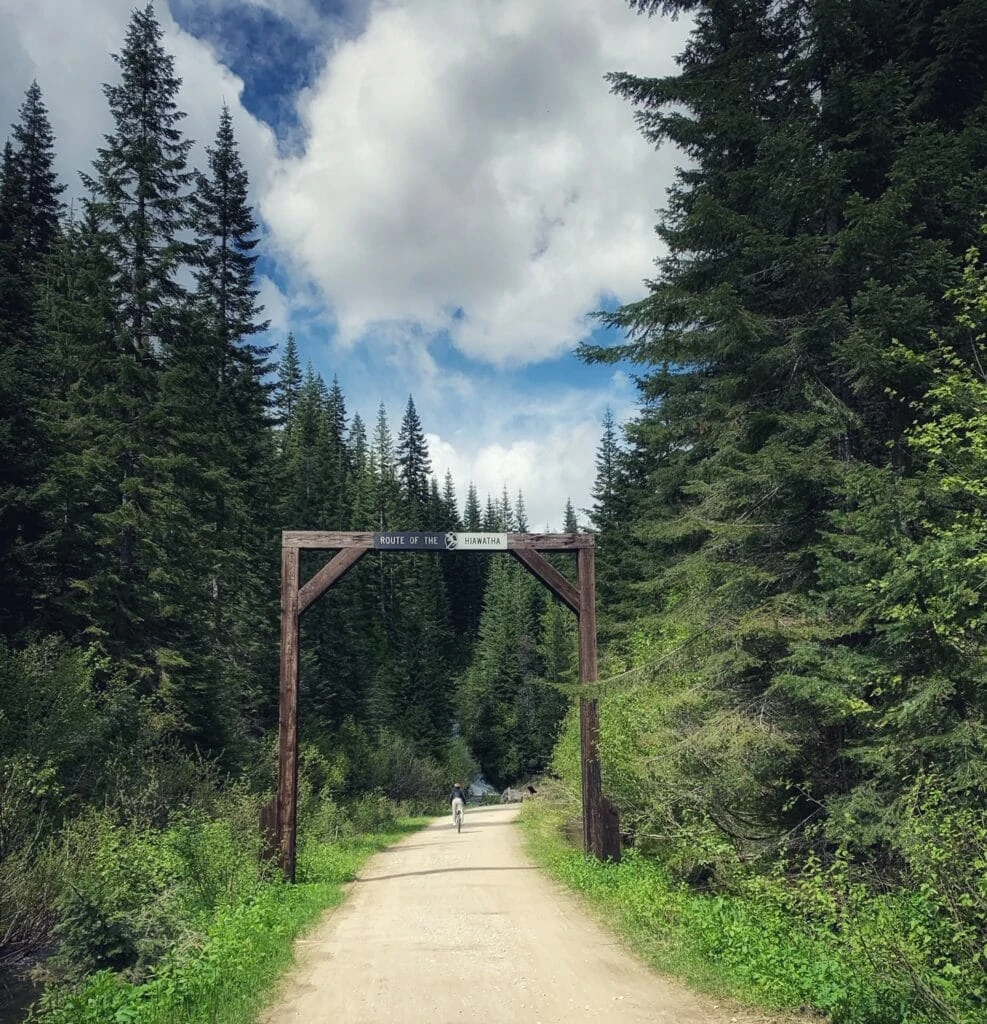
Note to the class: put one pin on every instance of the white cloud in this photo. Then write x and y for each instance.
(469, 156)
(67, 45)
(543, 446)
(276, 308)
(546, 469)
(457, 157)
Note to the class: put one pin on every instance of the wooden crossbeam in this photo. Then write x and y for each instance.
(541, 568)
(314, 540)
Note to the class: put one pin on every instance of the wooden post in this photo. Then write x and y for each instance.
(288, 718)
(601, 832)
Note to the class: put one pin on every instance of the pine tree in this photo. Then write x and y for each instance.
(617, 568)
(139, 208)
(435, 509)
(356, 445)
(215, 453)
(139, 188)
(470, 579)
(35, 156)
(289, 381)
(79, 330)
(492, 517)
(834, 174)
(459, 575)
(413, 463)
(506, 516)
(450, 506)
(17, 472)
(472, 519)
(337, 457)
(520, 514)
(570, 524)
(604, 491)
(907, 588)
(387, 496)
(30, 211)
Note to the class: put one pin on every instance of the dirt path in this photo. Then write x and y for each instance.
(445, 928)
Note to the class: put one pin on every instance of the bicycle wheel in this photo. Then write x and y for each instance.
(459, 821)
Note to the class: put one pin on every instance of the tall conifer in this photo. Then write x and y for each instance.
(835, 174)
(30, 211)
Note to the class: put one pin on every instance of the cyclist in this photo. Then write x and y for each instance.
(457, 794)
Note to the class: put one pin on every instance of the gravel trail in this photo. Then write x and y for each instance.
(447, 927)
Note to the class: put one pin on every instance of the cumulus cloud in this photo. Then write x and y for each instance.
(276, 307)
(546, 469)
(67, 47)
(544, 446)
(464, 177)
(466, 170)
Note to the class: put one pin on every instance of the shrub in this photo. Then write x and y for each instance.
(403, 773)
(117, 909)
(131, 893)
(458, 764)
(372, 814)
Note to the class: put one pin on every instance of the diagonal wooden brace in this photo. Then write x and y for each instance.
(333, 570)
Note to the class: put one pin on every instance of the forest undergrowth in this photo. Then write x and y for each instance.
(823, 941)
(206, 929)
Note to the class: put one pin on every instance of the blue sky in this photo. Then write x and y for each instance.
(447, 189)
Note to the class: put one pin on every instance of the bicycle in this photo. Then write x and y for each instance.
(457, 816)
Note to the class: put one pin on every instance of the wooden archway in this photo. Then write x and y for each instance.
(601, 835)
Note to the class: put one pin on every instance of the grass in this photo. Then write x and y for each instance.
(752, 952)
(230, 975)
(635, 899)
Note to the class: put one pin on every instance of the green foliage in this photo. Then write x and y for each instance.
(225, 975)
(459, 764)
(824, 939)
(148, 466)
(510, 698)
(791, 536)
(29, 231)
(928, 937)
(132, 893)
(403, 772)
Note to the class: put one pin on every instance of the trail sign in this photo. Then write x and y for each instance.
(476, 541)
(410, 541)
(601, 824)
(440, 541)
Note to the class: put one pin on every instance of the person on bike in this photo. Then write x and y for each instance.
(457, 794)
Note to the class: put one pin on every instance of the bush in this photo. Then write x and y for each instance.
(921, 924)
(458, 764)
(131, 893)
(372, 814)
(322, 821)
(404, 774)
(116, 907)
(838, 938)
(239, 952)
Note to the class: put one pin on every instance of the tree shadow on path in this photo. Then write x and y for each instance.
(437, 871)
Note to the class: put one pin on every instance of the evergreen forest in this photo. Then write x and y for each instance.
(791, 534)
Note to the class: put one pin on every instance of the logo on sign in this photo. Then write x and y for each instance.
(451, 541)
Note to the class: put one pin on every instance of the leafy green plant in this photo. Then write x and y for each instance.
(225, 969)
(824, 936)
